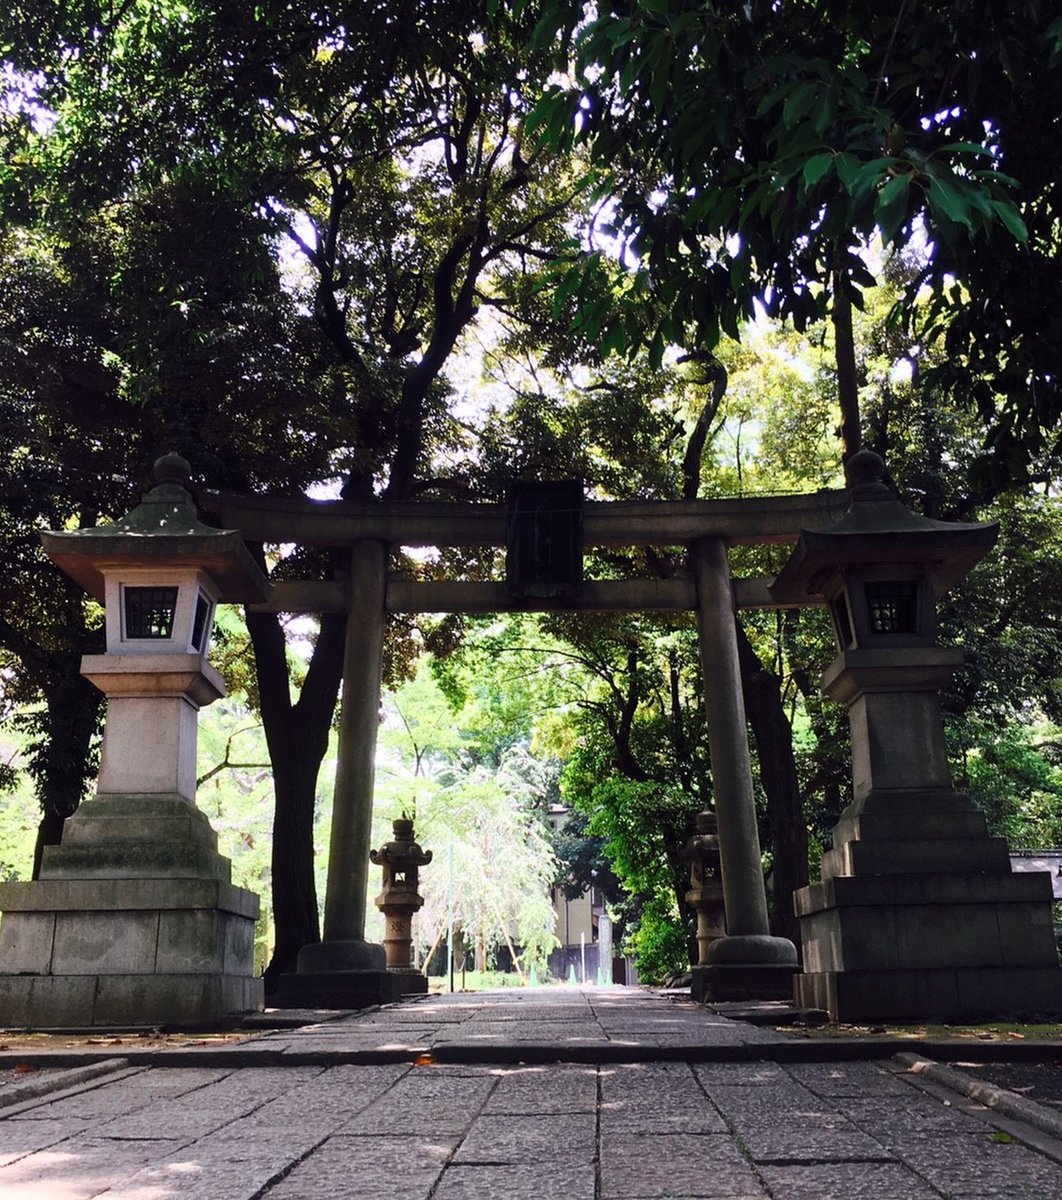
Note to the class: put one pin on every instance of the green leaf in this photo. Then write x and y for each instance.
(969, 148)
(946, 197)
(800, 103)
(847, 167)
(1011, 218)
(815, 168)
(891, 207)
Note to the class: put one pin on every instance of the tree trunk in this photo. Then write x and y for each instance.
(64, 757)
(297, 737)
(785, 812)
(844, 355)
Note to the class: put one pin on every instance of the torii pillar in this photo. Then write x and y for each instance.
(748, 963)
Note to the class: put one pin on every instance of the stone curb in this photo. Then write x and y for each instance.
(255, 1054)
(999, 1099)
(32, 1089)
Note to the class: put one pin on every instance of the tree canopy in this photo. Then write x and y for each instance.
(746, 155)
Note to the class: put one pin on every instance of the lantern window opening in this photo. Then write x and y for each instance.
(149, 612)
(843, 622)
(892, 605)
(201, 622)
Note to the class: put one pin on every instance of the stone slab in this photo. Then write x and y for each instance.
(917, 936)
(539, 1180)
(846, 1181)
(64, 895)
(946, 994)
(930, 824)
(99, 830)
(541, 1091)
(975, 1167)
(135, 860)
(1004, 887)
(368, 1167)
(913, 854)
(568, 1138)
(673, 1165)
(78, 1001)
(105, 943)
(26, 942)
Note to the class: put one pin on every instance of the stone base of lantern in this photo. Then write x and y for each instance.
(410, 981)
(919, 917)
(945, 995)
(133, 922)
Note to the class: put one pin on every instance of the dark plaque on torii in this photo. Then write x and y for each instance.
(544, 539)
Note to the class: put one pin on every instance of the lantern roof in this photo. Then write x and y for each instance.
(163, 531)
(878, 529)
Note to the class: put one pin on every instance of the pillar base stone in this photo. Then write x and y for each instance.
(354, 954)
(758, 949)
(752, 966)
(338, 974)
(716, 983)
(337, 989)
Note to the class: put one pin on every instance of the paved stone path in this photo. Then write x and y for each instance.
(641, 1114)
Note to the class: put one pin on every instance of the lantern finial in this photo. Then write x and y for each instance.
(865, 472)
(172, 468)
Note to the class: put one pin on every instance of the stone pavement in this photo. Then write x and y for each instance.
(579, 1094)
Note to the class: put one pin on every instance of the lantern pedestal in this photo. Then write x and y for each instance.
(133, 922)
(918, 915)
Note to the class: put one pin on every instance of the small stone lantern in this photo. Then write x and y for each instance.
(705, 894)
(917, 915)
(401, 860)
(135, 920)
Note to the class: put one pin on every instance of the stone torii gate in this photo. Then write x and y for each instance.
(917, 915)
(344, 969)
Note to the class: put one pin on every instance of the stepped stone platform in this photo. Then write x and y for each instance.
(934, 927)
(134, 921)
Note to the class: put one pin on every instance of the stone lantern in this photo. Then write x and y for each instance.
(918, 914)
(159, 573)
(399, 899)
(134, 919)
(705, 894)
